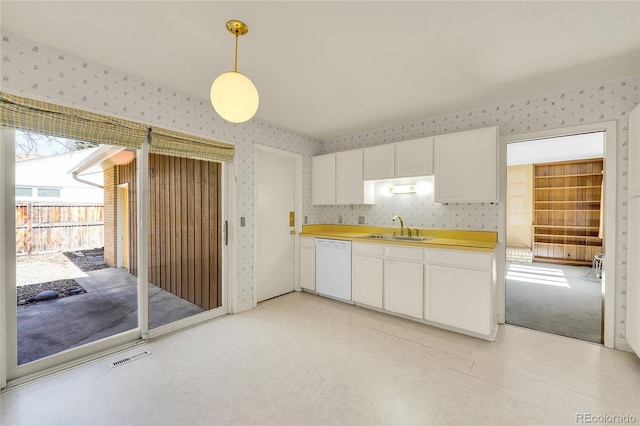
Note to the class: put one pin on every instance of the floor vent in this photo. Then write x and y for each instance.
(129, 358)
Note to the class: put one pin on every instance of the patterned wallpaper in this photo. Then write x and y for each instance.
(34, 70)
(37, 71)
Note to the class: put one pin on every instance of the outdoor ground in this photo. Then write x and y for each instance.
(55, 271)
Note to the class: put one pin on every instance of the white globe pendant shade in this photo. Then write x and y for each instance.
(234, 97)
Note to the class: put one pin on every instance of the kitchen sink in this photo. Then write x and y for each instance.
(396, 237)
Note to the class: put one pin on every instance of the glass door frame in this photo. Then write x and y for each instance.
(10, 371)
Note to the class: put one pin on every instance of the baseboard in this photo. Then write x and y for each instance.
(241, 307)
(622, 345)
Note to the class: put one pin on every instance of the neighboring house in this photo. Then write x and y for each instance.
(49, 179)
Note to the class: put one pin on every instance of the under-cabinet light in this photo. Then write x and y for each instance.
(403, 189)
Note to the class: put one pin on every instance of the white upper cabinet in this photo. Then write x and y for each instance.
(350, 185)
(410, 158)
(634, 152)
(337, 179)
(414, 158)
(323, 179)
(465, 166)
(378, 162)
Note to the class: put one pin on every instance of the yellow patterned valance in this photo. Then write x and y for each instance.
(169, 142)
(43, 117)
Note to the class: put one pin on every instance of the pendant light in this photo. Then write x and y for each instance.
(233, 96)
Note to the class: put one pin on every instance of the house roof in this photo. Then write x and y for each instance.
(329, 69)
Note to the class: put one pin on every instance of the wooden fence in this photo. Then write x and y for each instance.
(49, 227)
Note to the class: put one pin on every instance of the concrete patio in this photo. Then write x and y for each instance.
(109, 307)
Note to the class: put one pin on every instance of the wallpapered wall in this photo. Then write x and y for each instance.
(34, 70)
(607, 101)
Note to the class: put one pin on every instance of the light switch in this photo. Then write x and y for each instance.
(242, 221)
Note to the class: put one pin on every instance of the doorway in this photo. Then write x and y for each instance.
(555, 234)
(277, 189)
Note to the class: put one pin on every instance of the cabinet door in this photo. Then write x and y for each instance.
(350, 184)
(465, 166)
(460, 298)
(403, 287)
(367, 278)
(307, 264)
(378, 162)
(634, 152)
(323, 179)
(414, 158)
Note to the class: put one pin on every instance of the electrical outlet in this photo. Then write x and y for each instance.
(339, 219)
(360, 220)
(242, 221)
(306, 220)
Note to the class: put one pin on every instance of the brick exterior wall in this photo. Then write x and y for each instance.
(111, 216)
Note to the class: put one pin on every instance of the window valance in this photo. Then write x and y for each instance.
(169, 142)
(47, 118)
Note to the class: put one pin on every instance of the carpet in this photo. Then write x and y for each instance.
(558, 299)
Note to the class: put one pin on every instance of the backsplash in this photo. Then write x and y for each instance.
(417, 210)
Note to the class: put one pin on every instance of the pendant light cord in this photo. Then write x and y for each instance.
(235, 66)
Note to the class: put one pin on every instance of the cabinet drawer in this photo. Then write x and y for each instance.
(404, 253)
(307, 242)
(367, 249)
(459, 258)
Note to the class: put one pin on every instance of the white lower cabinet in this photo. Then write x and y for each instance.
(307, 263)
(453, 289)
(366, 285)
(367, 274)
(461, 290)
(404, 280)
(403, 287)
(460, 298)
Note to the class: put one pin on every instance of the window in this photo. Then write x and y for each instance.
(49, 192)
(24, 191)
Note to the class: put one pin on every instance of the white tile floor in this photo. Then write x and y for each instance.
(305, 360)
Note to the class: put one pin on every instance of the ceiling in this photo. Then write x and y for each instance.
(329, 69)
(561, 148)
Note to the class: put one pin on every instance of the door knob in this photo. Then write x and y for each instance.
(292, 232)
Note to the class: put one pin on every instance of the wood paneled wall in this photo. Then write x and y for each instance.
(185, 233)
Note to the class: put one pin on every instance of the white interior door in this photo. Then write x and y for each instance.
(275, 201)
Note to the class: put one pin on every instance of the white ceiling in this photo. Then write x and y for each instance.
(331, 68)
(551, 150)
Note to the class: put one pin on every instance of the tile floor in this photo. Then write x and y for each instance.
(305, 360)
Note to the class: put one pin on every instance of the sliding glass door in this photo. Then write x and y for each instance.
(104, 245)
(65, 288)
(185, 239)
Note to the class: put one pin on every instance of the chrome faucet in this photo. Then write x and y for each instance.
(401, 224)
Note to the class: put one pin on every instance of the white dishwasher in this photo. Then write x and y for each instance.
(333, 268)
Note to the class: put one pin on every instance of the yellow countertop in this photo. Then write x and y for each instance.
(482, 241)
